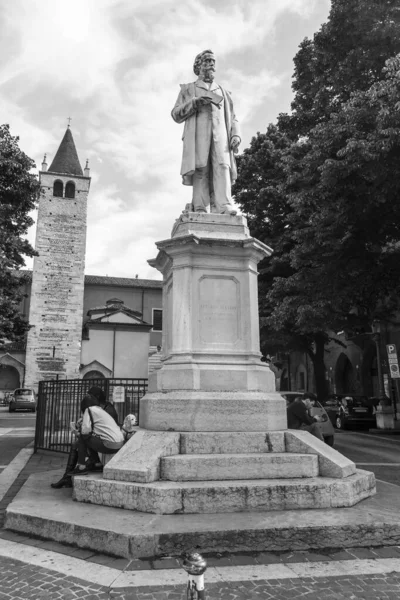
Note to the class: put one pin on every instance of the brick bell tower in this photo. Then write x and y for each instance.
(56, 307)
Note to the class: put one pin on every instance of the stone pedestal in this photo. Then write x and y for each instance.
(211, 377)
(213, 432)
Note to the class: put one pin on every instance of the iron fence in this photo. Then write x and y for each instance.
(59, 404)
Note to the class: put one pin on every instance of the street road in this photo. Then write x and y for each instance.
(377, 453)
(16, 431)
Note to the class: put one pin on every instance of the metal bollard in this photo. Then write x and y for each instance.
(195, 566)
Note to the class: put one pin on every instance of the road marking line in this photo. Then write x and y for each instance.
(5, 431)
(13, 469)
(377, 436)
(115, 578)
(387, 482)
(21, 429)
(370, 464)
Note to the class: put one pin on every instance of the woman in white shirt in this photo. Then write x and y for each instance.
(99, 432)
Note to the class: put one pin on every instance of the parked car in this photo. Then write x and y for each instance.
(22, 398)
(327, 429)
(345, 410)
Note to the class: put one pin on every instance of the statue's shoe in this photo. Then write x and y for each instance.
(229, 211)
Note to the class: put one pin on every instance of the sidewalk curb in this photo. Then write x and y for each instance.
(14, 468)
(116, 579)
(384, 431)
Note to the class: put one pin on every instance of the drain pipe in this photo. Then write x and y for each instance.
(195, 566)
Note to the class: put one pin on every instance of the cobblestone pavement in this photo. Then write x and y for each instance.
(354, 588)
(22, 579)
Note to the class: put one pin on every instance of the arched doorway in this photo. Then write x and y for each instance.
(93, 375)
(285, 381)
(370, 371)
(301, 378)
(9, 378)
(345, 376)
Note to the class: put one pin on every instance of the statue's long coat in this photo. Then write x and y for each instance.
(184, 111)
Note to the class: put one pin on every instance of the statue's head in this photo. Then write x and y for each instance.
(204, 65)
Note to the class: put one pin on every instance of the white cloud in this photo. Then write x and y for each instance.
(115, 67)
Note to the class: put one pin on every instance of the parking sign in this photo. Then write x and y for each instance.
(393, 361)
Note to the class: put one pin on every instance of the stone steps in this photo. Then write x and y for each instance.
(140, 459)
(188, 497)
(239, 442)
(40, 511)
(222, 467)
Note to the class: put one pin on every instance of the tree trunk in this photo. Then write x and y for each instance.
(317, 358)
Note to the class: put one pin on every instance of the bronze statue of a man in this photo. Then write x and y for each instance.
(210, 139)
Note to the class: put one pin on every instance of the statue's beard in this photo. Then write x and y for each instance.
(209, 75)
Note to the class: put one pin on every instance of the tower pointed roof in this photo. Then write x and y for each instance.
(66, 159)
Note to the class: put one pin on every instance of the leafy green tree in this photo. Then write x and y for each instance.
(19, 191)
(261, 191)
(347, 54)
(345, 222)
(318, 198)
(346, 190)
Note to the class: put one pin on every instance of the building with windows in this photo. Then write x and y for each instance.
(358, 365)
(80, 325)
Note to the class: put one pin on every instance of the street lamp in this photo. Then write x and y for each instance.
(376, 336)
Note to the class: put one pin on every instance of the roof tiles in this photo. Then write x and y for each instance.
(105, 280)
(66, 159)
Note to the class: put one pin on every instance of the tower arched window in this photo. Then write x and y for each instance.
(58, 188)
(70, 190)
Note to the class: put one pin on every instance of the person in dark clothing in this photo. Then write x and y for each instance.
(299, 418)
(99, 433)
(99, 396)
(94, 462)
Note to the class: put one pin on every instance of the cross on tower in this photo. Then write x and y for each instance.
(69, 119)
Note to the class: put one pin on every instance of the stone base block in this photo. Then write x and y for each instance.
(331, 462)
(210, 225)
(221, 467)
(213, 411)
(139, 458)
(168, 497)
(225, 443)
(39, 511)
(212, 376)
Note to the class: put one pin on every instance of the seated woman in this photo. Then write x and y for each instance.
(99, 433)
(99, 396)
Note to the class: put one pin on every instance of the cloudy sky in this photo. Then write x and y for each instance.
(115, 67)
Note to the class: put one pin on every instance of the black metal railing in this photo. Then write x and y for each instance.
(59, 404)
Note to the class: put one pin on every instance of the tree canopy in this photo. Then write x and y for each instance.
(322, 186)
(19, 191)
(347, 54)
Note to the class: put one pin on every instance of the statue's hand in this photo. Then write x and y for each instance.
(235, 141)
(201, 101)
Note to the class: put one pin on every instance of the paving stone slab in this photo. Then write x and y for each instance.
(21, 580)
